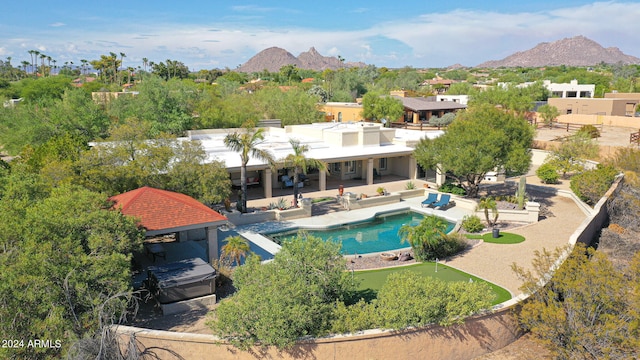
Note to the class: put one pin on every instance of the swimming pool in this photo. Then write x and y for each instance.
(376, 235)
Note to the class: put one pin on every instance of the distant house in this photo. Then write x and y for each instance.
(441, 86)
(588, 106)
(564, 90)
(419, 109)
(342, 111)
(104, 97)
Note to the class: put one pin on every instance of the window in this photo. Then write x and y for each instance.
(335, 168)
(349, 167)
(382, 165)
(340, 116)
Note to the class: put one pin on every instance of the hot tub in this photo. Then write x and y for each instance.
(181, 280)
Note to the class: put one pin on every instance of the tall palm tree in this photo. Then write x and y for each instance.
(31, 52)
(299, 163)
(122, 56)
(84, 66)
(42, 57)
(145, 62)
(245, 142)
(235, 248)
(25, 63)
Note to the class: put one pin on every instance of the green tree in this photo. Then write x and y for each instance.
(549, 114)
(429, 239)
(585, 310)
(291, 297)
(71, 255)
(572, 152)
(246, 142)
(482, 139)
(377, 108)
(235, 248)
(300, 164)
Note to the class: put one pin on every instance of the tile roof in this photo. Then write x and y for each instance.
(160, 209)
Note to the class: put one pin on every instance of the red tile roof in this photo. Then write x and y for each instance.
(160, 209)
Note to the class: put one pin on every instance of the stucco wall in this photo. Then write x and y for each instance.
(584, 119)
(477, 336)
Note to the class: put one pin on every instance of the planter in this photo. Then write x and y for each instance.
(388, 256)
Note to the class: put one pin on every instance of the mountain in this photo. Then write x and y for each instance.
(575, 51)
(274, 58)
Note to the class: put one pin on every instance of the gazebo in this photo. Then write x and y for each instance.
(162, 212)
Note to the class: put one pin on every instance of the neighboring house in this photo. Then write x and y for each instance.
(342, 111)
(104, 97)
(419, 109)
(12, 102)
(460, 99)
(441, 86)
(598, 106)
(570, 90)
(189, 223)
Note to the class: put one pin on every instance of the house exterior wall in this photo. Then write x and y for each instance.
(347, 111)
(571, 90)
(611, 106)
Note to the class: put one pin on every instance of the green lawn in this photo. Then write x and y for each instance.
(371, 280)
(505, 238)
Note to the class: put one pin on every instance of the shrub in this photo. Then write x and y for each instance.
(429, 240)
(548, 173)
(410, 185)
(452, 189)
(472, 223)
(591, 185)
(590, 130)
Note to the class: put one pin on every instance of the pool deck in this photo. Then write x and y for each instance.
(491, 262)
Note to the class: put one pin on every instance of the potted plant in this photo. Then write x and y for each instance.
(363, 196)
(381, 191)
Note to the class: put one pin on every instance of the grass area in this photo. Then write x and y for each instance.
(321, 199)
(372, 280)
(505, 238)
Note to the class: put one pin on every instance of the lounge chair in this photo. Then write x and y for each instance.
(444, 201)
(431, 198)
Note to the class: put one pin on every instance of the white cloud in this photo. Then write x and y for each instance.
(57, 24)
(437, 39)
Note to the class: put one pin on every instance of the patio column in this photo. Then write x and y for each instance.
(322, 180)
(370, 171)
(266, 176)
(440, 177)
(212, 243)
(413, 168)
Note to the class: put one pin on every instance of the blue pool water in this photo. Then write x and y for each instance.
(376, 235)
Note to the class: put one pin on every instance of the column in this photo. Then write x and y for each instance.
(416, 118)
(266, 176)
(212, 243)
(413, 168)
(322, 180)
(440, 177)
(370, 171)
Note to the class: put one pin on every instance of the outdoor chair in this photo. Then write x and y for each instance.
(431, 198)
(444, 201)
(376, 174)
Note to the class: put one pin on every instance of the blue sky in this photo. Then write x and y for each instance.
(218, 34)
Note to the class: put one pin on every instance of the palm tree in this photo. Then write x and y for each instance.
(31, 52)
(42, 57)
(235, 248)
(25, 63)
(487, 204)
(84, 66)
(299, 163)
(427, 239)
(245, 142)
(145, 62)
(122, 56)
